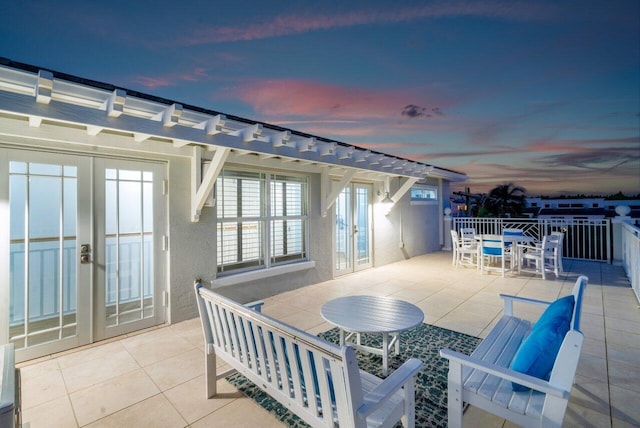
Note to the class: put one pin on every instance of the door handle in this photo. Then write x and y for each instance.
(85, 253)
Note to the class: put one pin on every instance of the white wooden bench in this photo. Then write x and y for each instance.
(484, 379)
(317, 380)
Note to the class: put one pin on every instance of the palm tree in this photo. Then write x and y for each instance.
(506, 200)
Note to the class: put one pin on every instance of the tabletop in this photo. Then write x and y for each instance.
(507, 238)
(371, 314)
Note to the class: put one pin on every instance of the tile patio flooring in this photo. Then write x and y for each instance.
(155, 379)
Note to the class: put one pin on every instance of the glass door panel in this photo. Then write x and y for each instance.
(46, 283)
(353, 229)
(128, 262)
(362, 217)
(343, 233)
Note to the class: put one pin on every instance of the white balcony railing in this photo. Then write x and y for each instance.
(631, 255)
(584, 239)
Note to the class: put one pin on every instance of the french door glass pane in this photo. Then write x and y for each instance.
(43, 228)
(363, 196)
(344, 228)
(128, 246)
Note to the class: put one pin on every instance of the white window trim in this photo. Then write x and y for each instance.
(429, 202)
(257, 274)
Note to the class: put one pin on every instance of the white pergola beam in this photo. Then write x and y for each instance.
(361, 155)
(248, 134)
(327, 149)
(115, 103)
(345, 152)
(307, 145)
(94, 130)
(169, 116)
(280, 139)
(139, 137)
(212, 126)
(35, 121)
(44, 87)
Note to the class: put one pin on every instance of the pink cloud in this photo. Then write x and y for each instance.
(300, 98)
(291, 24)
(152, 82)
(171, 79)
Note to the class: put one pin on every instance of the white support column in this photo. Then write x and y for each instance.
(447, 227)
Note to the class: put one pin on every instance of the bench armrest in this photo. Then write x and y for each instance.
(504, 373)
(256, 306)
(509, 299)
(396, 380)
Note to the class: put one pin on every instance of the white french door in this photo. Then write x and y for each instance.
(81, 249)
(129, 261)
(353, 229)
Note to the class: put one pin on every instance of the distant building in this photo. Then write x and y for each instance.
(563, 208)
(579, 208)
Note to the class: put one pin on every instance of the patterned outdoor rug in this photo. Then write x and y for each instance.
(422, 342)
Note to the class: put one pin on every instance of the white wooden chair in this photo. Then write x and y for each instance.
(491, 249)
(464, 252)
(468, 235)
(559, 237)
(544, 257)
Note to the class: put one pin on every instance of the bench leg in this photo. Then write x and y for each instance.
(409, 418)
(210, 372)
(454, 399)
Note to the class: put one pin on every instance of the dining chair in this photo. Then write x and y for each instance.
(492, 248)
(544, 257)
(509, 245)
(468, 234)
(463, 252)
(559, 238)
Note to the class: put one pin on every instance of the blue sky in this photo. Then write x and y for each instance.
(542, 94)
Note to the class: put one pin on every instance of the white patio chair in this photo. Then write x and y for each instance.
(463, 252)
(468, 235)
(544, 257)
(558, 237)
(455, 243)
(492, 249)
(509, 247)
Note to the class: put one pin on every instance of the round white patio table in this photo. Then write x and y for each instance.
(355, 315)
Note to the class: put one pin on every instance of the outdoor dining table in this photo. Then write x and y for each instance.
(355, 315)
(514, 240)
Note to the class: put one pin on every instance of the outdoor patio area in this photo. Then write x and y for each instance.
(156, 378)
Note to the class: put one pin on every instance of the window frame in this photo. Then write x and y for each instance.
(266, 220)
(422, 201)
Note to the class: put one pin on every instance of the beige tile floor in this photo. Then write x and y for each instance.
(155, 379)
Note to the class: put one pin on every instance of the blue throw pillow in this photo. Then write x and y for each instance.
(561, 308)
(538, 351)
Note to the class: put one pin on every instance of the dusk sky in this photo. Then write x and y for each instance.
(544, 94)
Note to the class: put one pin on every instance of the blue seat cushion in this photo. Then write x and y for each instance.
(538, 351)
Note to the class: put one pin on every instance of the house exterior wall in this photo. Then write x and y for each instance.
(192, 245)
